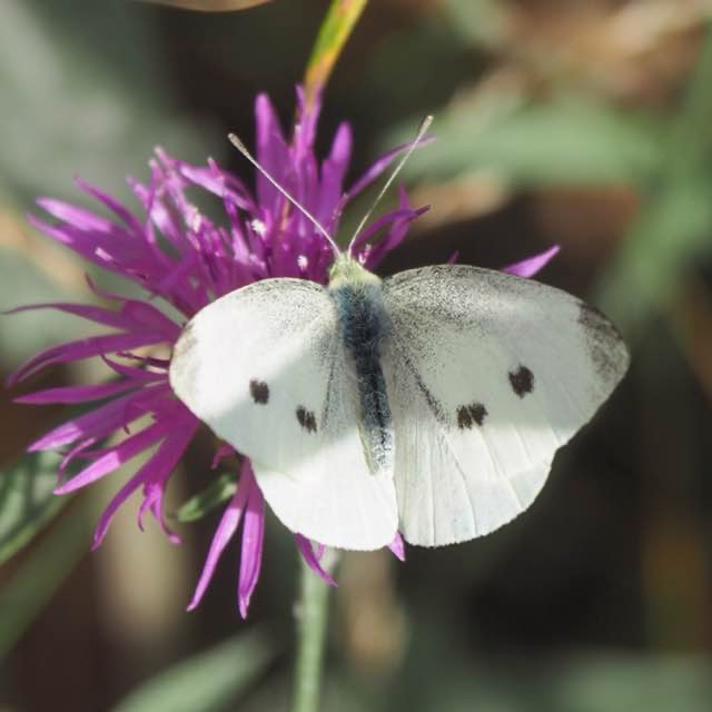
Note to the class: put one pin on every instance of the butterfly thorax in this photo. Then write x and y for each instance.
(359, 302)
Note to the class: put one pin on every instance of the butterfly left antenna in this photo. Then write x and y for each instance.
(237, 143)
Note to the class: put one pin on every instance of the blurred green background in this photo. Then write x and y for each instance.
(583, 123)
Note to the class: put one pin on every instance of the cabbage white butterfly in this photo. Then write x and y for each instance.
(431, 402)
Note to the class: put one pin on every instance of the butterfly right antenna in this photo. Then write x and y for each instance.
(422, 130)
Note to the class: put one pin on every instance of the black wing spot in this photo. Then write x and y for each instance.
(522, 381)
(306, 419)
(259, 391)
(468, 415)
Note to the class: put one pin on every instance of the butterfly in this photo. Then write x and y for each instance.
(429, 403)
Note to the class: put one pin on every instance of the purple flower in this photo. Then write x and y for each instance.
(182, 258)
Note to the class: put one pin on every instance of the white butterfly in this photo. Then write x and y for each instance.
(430, 403)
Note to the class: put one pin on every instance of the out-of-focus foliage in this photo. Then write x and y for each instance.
(217, 492)
(84, 93)
(675, 228)
(209, 681)
(26, 500)
(40, 574)
(569, 140)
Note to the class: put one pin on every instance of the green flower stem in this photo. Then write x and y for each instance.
(312, 614)
(340, 20)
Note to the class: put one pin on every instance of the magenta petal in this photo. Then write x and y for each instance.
(79, 217)
(225, 531)
(532, 265)
(145, 316)
(381, 223)
(272, 152)
(397, 546)
(86, 348)
(156, 470)
(118, 500)
(76, 394)
(312, 561)
(223, 452)
(116, 457)
(102, 421)
(113, 204)
(96, 314)
(332, 175)
(253, 534)
(377, 168)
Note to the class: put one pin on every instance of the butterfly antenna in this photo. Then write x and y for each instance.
(237, 143)
(424, 126)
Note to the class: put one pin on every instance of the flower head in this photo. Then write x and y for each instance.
(184, 259)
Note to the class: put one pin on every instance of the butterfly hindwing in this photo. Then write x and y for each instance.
(488, 375)
(266, 369)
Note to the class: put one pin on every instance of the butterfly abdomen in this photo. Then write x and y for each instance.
(363, 325)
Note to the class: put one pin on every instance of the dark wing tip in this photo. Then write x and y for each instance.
(608, 351)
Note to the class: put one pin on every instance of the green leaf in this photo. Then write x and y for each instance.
(673, 230)
(571, 140)
(482, 22)
(27, 502)
(209, 499)
(207, 682)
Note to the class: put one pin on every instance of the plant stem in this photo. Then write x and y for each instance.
(340, 20)
(312, 615)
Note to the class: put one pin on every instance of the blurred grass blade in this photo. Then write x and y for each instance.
(569, 141)
(335, 30)
(208, 682)
(26, 500)
(210, 5)
(674, 228)
(206, 501)
(23, 598)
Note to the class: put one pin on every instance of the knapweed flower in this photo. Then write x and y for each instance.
(183, 259)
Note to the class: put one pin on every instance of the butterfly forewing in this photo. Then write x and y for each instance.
(266, 369)
(488, 375)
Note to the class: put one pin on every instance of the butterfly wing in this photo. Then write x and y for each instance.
(488, 375)
(266, 369)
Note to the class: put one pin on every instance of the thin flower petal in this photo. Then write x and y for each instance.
(79, 217)
(103, 421)
(253, 533)
(99, 315)
(333, 172)
(86, 348)
(397, 546)
(378, 167)
(116, 457)
(76, 394)
(272, 152)
(225, 531)
(157, 469)
(312, 561)
(125, 215)
(532, 265)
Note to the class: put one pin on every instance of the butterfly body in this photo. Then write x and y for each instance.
(363, 324)
(430, 403)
